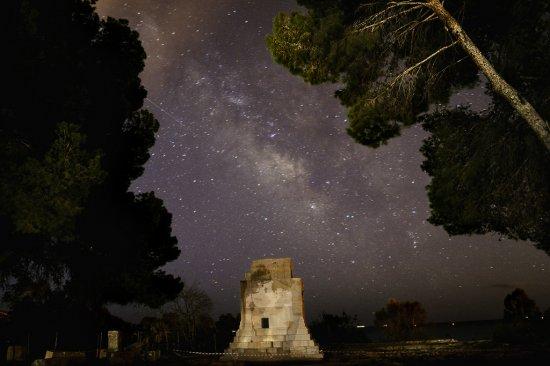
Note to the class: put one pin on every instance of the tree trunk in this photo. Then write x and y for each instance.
(522, 106)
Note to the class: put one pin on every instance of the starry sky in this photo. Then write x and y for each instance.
(253, 163)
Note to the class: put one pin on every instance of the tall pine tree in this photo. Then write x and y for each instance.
(395, 60)
(73, 238)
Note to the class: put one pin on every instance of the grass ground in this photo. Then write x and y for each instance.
(420, 353)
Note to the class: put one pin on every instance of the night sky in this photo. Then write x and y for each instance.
(253, 163)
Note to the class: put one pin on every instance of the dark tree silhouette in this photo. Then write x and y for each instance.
(74, 137)
(396, 59)
(523, 321)
(400, 320)
(190, 311)
(518, 307)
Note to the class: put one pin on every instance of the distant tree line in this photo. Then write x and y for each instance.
(522, 322)
(186, 324)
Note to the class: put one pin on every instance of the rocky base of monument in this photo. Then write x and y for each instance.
(295, 346)
(293, 352)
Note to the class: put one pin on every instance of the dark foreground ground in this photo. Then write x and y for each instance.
(443, 352)
(446, 352)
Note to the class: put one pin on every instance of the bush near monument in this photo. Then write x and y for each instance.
(400, 320)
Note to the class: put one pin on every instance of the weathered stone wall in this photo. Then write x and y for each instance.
(270, 292)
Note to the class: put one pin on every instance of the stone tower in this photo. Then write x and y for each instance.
(272, 315)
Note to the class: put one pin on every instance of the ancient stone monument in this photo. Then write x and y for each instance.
(272, 315)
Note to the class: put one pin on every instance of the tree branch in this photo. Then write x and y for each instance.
(501, 86)
(363, 26)
(420, 63)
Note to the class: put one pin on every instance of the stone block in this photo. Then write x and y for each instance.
(298, 337)
(64, 354)
(16, 353)
(153, 356)
(113, 338)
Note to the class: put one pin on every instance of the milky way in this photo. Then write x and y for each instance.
(254, 163)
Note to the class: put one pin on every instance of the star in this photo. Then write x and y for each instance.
(251, 161)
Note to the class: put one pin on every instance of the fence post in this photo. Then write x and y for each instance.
(29, 348)
(97, 346)
(100, 342)
(215, 341)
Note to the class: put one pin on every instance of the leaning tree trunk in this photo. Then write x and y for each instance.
(522, 106)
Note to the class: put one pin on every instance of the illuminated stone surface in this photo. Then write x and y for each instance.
(113, 338)
(272, 314)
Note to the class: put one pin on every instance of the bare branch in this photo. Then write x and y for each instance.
(391, 5)
(420, 63)
(363, 26)
(434, 77)
(399, 32)
(404, 3)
